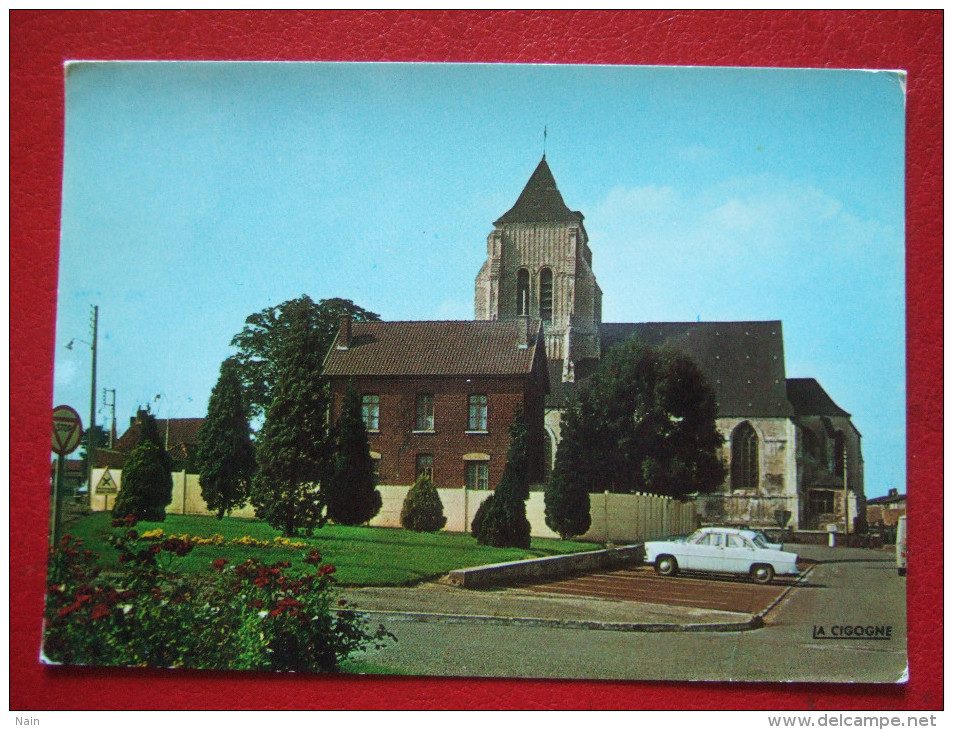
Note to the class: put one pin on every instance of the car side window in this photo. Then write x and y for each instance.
(703, 539)
(736, 541)
(717, 540)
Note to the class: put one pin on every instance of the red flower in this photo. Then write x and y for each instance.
(99, 611)
(257, 603)
(67, 610)
(132, 535)
(314, 557)
(289, 603)
(220, 564)
(326, 570)
(342, 602)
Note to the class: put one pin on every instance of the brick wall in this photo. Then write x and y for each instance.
(399, 444)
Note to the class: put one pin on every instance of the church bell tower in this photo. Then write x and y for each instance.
(539, 264)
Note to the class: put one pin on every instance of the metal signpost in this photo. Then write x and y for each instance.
(67, 433)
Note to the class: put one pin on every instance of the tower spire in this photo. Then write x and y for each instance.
(544, 141)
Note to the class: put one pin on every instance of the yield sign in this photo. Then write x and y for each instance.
(67, 430)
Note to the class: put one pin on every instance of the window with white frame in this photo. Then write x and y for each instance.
(477, 413)
(424, 412)
(370, 411)
(477, 475)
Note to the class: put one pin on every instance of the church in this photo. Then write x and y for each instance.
(788, 447)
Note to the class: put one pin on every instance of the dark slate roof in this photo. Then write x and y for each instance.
(888, 499)
(540, 201)
(809, 399)
(743, 361)
(438, 348)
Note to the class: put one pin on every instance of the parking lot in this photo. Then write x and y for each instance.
(642, 584)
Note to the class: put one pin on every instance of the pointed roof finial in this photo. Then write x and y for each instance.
(544, 141)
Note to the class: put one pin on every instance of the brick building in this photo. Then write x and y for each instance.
(440, 396)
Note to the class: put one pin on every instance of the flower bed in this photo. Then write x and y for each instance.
(248, 616)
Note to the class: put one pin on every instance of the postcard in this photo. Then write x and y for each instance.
(577, 372)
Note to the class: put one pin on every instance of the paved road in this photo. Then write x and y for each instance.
(721, 593)
(847, 587)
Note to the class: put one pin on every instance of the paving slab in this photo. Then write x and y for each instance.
(447, 603)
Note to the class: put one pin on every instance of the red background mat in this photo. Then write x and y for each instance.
(41, 41)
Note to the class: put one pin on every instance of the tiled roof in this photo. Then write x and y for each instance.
(743, 361)
(178, 430)
(540, 201)
(809, 399)
(437, 348)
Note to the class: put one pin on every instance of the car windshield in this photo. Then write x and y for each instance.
(759, 540)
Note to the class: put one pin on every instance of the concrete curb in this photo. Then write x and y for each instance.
(755, 622)
(549, 567)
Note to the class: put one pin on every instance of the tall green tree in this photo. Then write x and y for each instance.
(226, 455)
(294, 447)
(501, 520)
(146, 476)
(646, 424)
(266, 333)
(352, 494)
(567, 492)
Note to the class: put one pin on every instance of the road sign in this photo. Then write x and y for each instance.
(106, 484)
(67, 430)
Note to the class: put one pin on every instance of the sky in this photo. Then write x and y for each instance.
(196, 194)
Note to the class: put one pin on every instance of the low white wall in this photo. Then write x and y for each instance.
(617, 518)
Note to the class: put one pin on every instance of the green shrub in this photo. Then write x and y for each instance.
(501, 520)
(423, 510)
(146, 484)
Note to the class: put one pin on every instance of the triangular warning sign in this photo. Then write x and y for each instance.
(106, 484)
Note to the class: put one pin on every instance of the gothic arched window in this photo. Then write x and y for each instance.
(522, 291)
(546, 295)
(840, 452)
(744, 458)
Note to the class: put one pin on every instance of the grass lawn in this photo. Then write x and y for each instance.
(363, 556)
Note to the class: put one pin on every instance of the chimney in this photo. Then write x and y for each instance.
(344, 333)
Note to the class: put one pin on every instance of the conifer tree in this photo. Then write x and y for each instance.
(226, 456)
(146, 477)
(294, 448)
(501, 520)
(646, 423)
(352, 494)
(567, 493)
(422, 510)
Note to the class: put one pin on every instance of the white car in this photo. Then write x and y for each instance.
(721, 550)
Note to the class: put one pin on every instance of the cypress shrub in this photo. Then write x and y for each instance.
(422, 510)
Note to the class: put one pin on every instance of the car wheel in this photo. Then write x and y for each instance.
(666, 565)
(762, 574)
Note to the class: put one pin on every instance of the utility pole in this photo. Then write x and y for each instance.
(91, 441)
(111, 404)
(91, 437)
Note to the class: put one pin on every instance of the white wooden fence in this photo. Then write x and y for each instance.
(617, 518)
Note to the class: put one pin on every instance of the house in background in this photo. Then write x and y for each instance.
(439, 397)
(179, 436)
(887, 510)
